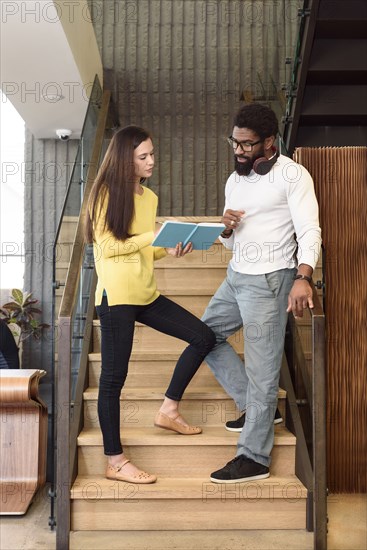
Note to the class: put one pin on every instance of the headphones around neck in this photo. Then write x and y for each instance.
(263, 165)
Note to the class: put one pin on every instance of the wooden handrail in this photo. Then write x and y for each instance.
(71, 286)
(63, 387)
(312, 475)
(319, 425)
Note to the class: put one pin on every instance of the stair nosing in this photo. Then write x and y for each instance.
(149, 355)
(171, 488)
(147, 394)
(150, 437)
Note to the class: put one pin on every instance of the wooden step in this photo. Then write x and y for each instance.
(64, 251)
(192, 540)
(139, 406)
(161, 451)
(148, 339)
(194, 278)
(151, 370)
(217, 255)
(187, 503)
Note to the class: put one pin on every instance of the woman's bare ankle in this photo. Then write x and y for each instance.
(169, 407)
(115, 460)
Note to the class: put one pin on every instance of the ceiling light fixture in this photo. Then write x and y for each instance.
(53, 98)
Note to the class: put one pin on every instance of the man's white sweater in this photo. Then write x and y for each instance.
(281, 212)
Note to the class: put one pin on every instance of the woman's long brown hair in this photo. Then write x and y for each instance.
(116, 178)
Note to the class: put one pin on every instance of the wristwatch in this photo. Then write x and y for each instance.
(303, 277)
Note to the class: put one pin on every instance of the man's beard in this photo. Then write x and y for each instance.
(244, 168)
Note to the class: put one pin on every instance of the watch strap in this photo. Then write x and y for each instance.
(226, 235)
(303, 277)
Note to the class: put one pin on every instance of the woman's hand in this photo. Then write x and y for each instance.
(178, 251)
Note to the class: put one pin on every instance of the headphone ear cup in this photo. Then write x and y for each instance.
(261, 166)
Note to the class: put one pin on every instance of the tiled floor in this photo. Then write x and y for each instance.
(347, 531)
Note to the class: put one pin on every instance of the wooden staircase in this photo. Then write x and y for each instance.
(183, 499)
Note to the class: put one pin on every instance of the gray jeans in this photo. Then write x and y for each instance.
(257, 303)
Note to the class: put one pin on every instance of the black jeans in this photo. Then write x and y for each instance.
(117, 331)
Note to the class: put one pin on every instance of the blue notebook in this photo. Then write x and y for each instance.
(201, 235)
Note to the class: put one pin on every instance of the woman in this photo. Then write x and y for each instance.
(121, 223)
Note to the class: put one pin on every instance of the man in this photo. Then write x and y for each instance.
(271, 219)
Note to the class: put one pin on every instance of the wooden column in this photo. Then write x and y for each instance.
(340, 175)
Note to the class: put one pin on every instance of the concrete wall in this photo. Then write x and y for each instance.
(48, 169)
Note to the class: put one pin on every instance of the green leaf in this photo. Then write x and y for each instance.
(12, 306)
(17, 295)
(34, 310)
(20, 313)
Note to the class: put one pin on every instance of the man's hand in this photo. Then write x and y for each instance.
(178, 251)
(231, 218)
(300, 297)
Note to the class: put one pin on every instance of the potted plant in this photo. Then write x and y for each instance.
(19, 314)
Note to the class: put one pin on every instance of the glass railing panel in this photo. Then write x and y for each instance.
(79, 317)
(62, 252)
(74, 195)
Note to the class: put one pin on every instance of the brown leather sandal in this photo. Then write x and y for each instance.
(163, 421)
(114, 472)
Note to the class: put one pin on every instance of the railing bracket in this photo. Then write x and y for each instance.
(304, 12)
(57, 284)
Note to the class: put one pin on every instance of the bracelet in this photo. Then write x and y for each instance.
(225, 235)
(303, 277)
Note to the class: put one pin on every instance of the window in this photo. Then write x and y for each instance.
(12, 138)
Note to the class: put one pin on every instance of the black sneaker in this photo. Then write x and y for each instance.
(237, 425)
(240, 469)
(278, 417)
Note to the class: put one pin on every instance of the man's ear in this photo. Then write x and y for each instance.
(269, 142)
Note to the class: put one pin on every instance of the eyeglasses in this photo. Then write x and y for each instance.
(246, 146)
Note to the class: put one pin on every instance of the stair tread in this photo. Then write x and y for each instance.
(93, 487)
(158, 393)
(301, 321)
(151, 355)
(191, 265)
(186, 291)
(146, 436)
(189, 540)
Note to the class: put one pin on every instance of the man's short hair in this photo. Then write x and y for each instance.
(258, 118)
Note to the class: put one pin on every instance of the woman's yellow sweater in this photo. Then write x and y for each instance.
(125, 269)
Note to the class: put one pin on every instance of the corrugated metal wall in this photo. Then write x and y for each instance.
(181, 67)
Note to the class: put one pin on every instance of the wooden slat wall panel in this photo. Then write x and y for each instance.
(341, 188)
(182, 66)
